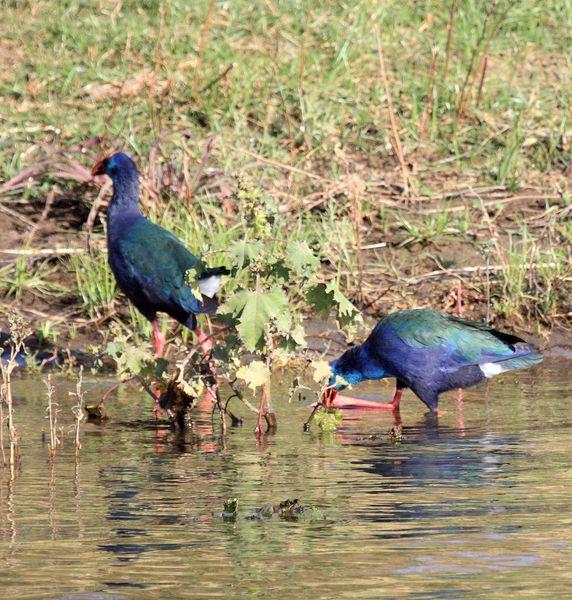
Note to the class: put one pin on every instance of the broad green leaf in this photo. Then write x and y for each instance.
(344, 306)
(321, 300)
(255, 310)
(130, 360)
(325, 297)
(256, 374)
(235, 305)
(279, 271)
(301, 259)
(244, 252)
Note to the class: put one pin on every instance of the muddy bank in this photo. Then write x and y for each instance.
(504, 250)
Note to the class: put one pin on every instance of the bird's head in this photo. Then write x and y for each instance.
(114, 164)
(344, 371)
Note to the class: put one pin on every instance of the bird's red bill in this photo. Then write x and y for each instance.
(99, 167)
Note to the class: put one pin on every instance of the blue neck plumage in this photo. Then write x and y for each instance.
(354, 366)
(124, 204)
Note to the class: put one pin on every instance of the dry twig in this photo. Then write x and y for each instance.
(396, 139)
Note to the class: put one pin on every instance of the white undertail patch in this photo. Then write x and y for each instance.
(491, 369)
(210, 286)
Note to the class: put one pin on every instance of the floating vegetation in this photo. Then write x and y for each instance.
(230, 510)
(327, 419)
(288, 510)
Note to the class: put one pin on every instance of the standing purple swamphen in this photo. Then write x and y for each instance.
(430, 353)
(149, 262)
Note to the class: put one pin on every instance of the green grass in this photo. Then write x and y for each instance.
(304, 89)
(270, 101)
(25, 276)
(95, 283)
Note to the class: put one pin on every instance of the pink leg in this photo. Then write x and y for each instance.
(459, 314)
(158, 338)
(205, 342)
(160, 341)
(333, 399)
(261, 411)
(265, 412)
(206, 345)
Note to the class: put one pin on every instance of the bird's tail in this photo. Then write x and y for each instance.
(522, 362)
(526, 357)
(210, 282)
(209, 271)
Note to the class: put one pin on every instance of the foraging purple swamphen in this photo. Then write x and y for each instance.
(430, 353)
(149, 262)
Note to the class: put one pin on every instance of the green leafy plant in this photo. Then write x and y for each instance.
(272, 281)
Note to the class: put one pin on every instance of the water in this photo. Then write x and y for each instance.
(475, 504)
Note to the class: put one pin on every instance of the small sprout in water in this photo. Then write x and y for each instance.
(230, 510)
(396, 434)
(328, 419)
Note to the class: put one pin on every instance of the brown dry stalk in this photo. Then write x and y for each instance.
(482, 81)
(396, 139)
(301, 73)
(94, 212)
(475, 270)
(474, 54)
(279, 165)
(303, 48)
(472, 73)
(429, 99)
(37, 254)
(2, 428)
(356, 188)
(156, 112)
(193, 184)
(52, 411)
(104, 140)
(47, 206)
(494, 234)
(450, 28)
(214, 81)
(78, 410)
(486, 49)
(7, 399)
(202, 42)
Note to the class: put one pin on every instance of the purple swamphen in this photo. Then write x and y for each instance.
(149, 262)
(430, 353)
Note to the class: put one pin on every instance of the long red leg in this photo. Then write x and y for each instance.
(261, 410)
(159, 339)
(206, 345)
(205, 342)
(333, 399)
(265, 411)
(459, 310)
